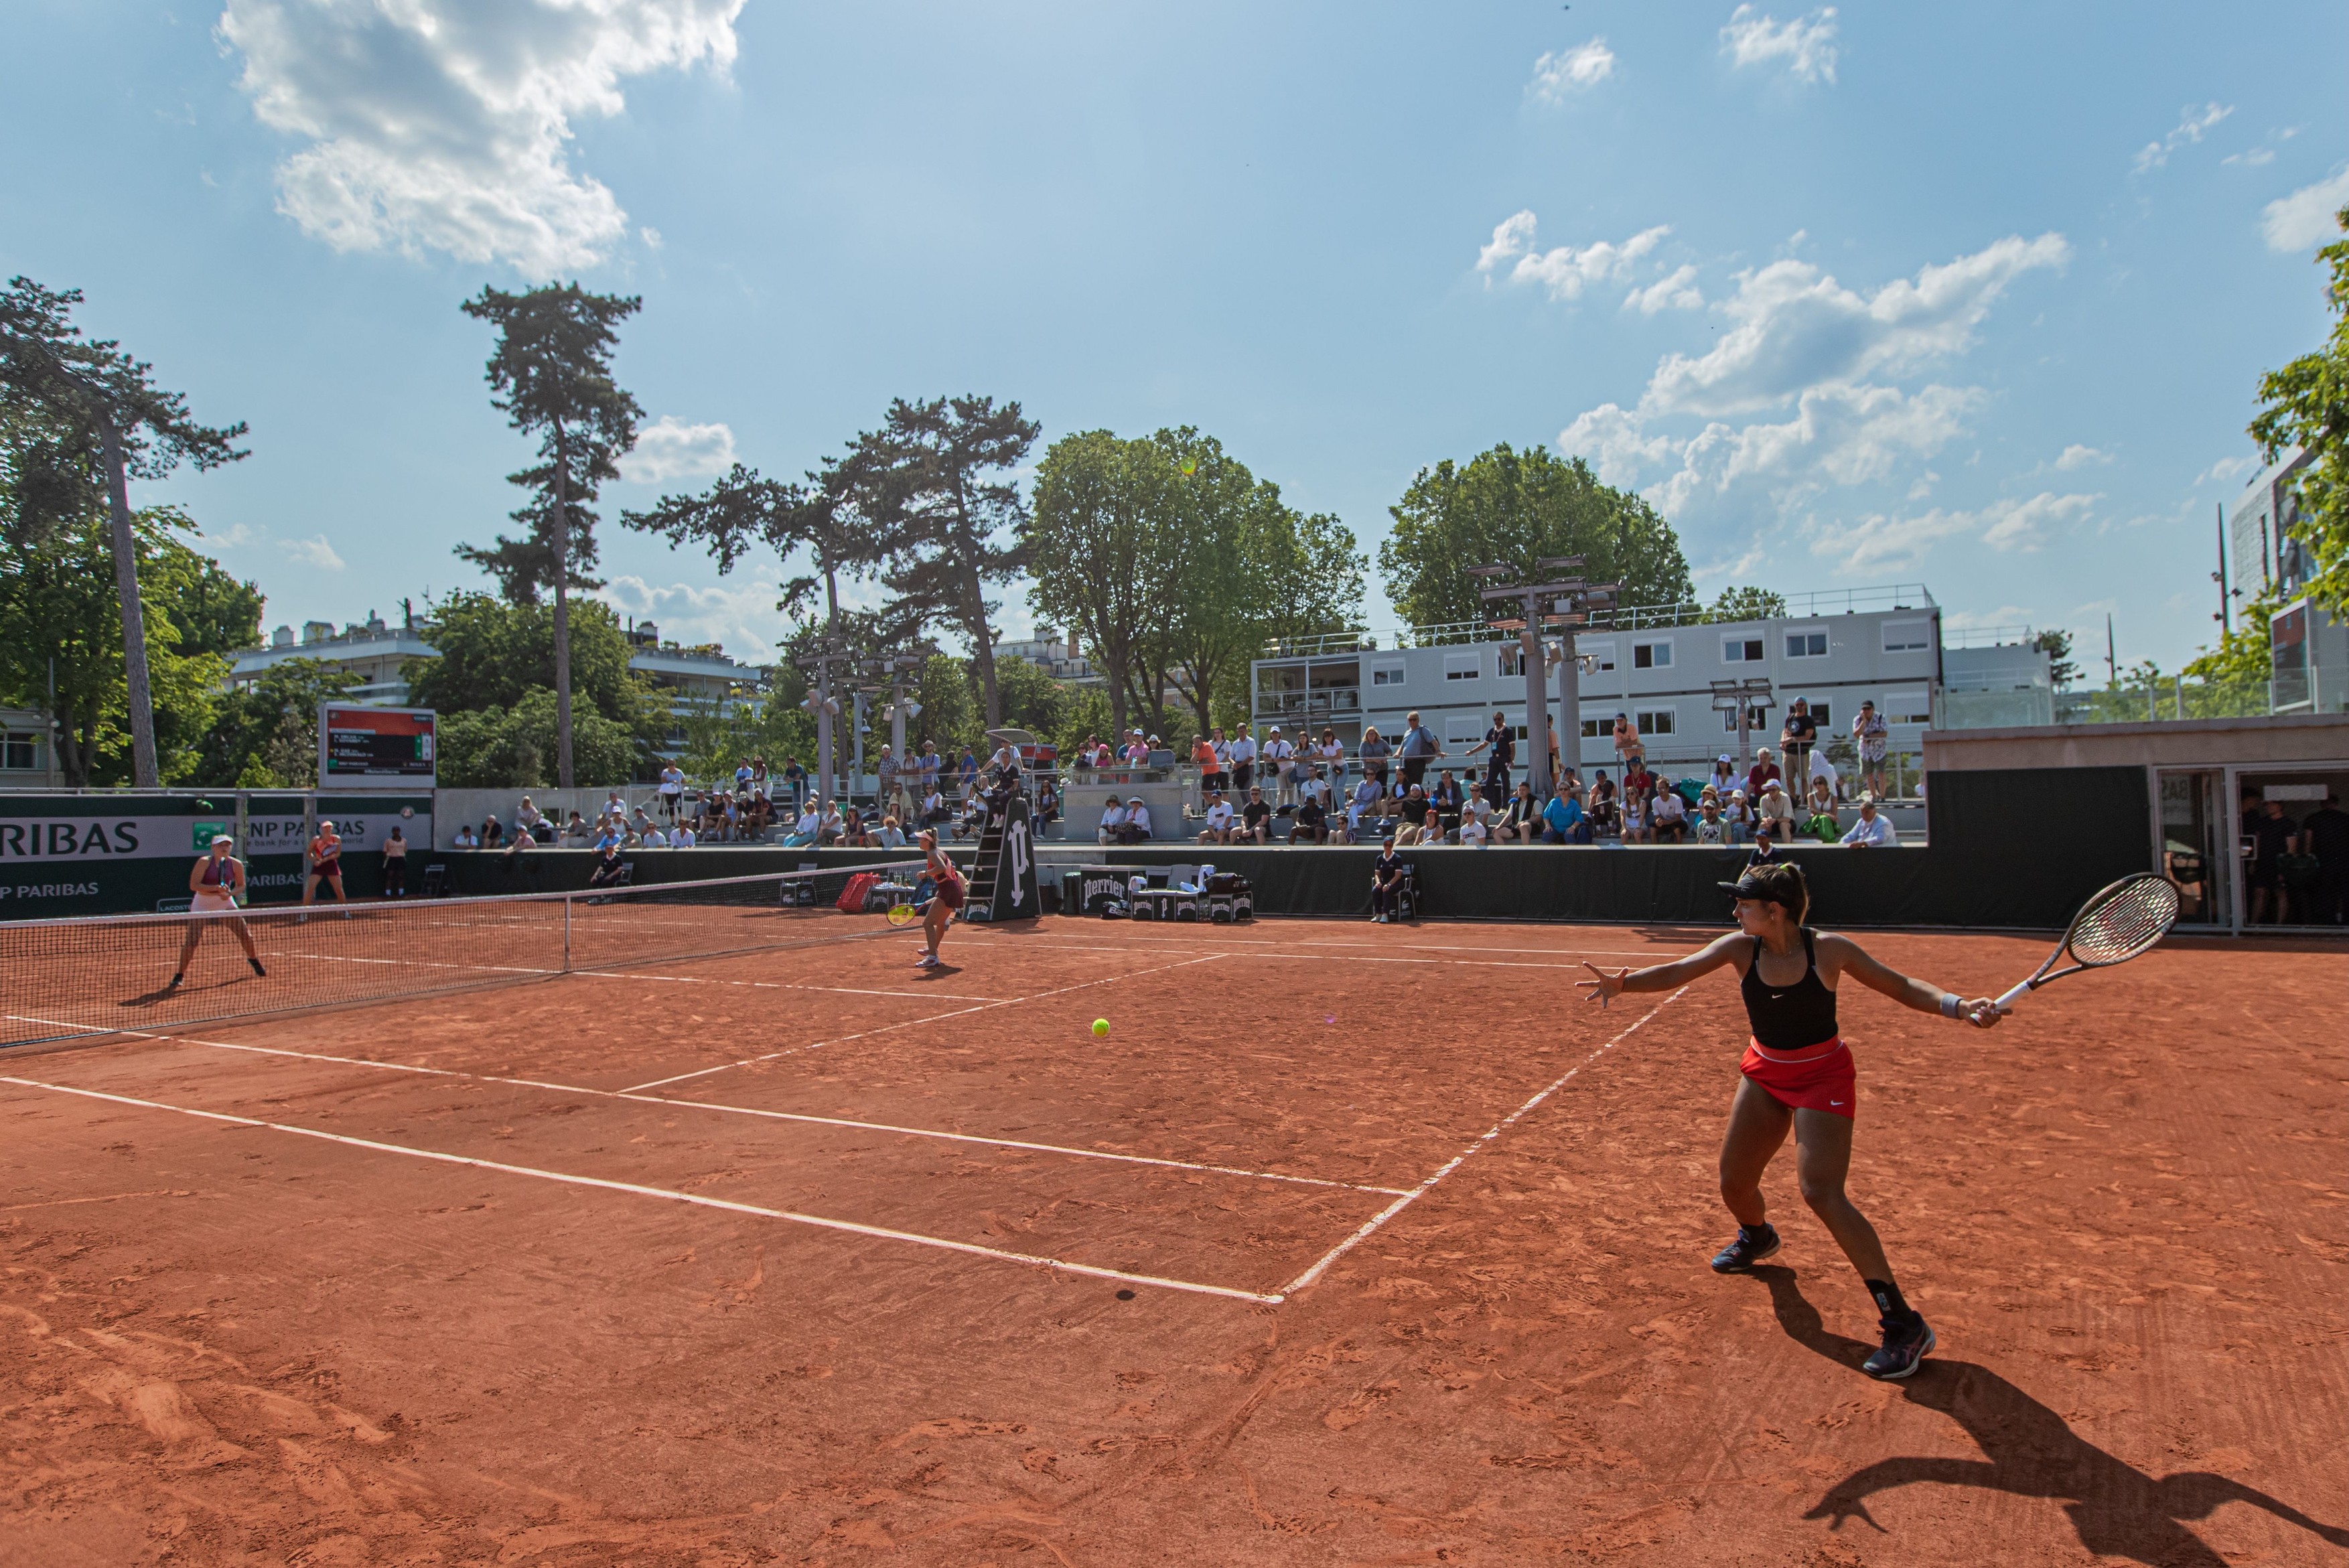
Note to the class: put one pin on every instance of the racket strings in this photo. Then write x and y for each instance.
(2138, 915)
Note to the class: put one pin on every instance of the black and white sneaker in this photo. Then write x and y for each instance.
(1753, 1244)
(1906, 1342)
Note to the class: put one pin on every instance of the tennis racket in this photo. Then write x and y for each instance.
(2117, 924)
(905, 914)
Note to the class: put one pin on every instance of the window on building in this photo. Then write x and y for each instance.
(1907, 636)
(1463, 730)
(1592, 728)
(1806, 645)
(19, 754)
(1463, 666)
(1600, 655)
(1821, 714)
(1658, 721)
(1651, 656)
(1907, 708)
(1756, 718)
(1386, 675)
(1741, 650)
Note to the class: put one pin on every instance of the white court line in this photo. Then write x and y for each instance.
(910, 1023)
(819, 1221)
(1653, 954)
(1314, 1274)
(773, 1115)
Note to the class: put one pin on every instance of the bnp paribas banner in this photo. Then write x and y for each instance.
(97, 854)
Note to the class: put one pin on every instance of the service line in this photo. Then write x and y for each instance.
(819, 1221)
(1370, 1226)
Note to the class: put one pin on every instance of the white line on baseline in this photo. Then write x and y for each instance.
(1314, 1274)
(567, 1178)
(909, 1023)
(772, 1115)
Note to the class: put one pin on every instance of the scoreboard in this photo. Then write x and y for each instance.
(358, 745)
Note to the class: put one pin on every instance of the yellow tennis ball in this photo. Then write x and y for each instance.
(1100, 1026)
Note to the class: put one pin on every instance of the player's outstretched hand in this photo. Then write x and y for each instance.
(1982, 1012)
(1605, 987)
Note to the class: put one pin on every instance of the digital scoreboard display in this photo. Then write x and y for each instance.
(374, 745)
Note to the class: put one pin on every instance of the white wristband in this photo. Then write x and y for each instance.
(1950, 1004)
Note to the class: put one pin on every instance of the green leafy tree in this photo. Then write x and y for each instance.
(2057, 646)
(1031, 698)
(1517, 508)
(1741, 603)
(266, 734)
(60, 612)
(2246, 652)
(2306, 403)
(512, 748)
(493, 651)
(1106, 554)
(933, 486)
(552, 372)
(1085, 713)
(949, 718)
(95, 418)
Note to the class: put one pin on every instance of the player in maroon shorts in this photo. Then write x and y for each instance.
(1798, 1076)
(944, 902)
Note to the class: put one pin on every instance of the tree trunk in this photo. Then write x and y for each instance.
(562, 614)
(134, 625)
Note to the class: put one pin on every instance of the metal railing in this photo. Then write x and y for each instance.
(1985, 636)
(1858, 600)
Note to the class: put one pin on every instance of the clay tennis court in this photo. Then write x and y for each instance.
(1350, 1244)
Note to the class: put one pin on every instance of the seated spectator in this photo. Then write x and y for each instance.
(681, 837)
(1522, 823)
(830, 826)
(1386, 883)
(1471, 829)
(466, 838)
(527, 817)
(1447, 795)
(1368, 799)
(1218, 819)
(615, 805)
(1408, 835)
(576, 830)
(1708, 828)
(1669, 823)
(1633, 813)
(804, 831)
(1313, 824)
(1048, 803)
(1724, 774)
(854, 835)
(1637, 779)
(1111, 828)
(891, 836)
(934, 812)
(1256, 817)
(522, 842)
(1871, 829)
(1317, 788)
(1773, 812)
(1564, 820)
(609, 867)
(1739, 815)
(1413, 804)
(1137, 821)
(492, 835)
(1760, 773)
(1604, 817)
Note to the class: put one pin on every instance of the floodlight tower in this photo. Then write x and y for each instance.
(816, 657)
(1745, 697)
(1567, 603)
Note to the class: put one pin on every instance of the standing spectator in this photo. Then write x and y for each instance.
(1629, 746)
(1242, 756)
(884, 772)
(1203, 757)
(1502, 741)
(1870, 735)
(1277, 754)
(1137, 821)
(1218, 817)
(2324, 833)
(1216, 772)
(1374, 752)
(2271, 835)
(930, 766)
(1871, 829)
(1760, 774)
(394, 863)
(1800, 733)
(966, 771)
(795, 781)
(1386, 883)
(1668, 820)
(1112, 828)
(1255, 817)
(1419, 749)
(1775, 814)
(672, 788)
(1329, 752)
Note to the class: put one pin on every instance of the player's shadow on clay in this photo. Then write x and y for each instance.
(2030, 1452)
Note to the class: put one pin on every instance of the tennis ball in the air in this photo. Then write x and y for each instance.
(1100, 1026)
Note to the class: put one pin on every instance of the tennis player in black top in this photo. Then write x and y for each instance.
(1798, 1077)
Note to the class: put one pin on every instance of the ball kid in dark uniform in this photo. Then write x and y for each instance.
(1798, 1076)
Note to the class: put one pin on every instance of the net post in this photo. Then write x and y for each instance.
(566, 934)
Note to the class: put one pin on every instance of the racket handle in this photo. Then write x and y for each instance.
(2007, 1001)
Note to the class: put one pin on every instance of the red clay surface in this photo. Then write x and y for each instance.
(2124, 1213)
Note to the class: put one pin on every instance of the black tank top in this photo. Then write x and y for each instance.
(1797, 1018)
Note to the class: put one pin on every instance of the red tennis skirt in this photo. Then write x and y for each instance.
(1818, 1077)
(950, 892)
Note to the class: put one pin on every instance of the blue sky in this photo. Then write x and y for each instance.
(1976, 297)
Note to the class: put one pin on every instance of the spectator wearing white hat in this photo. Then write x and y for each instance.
(1872, 831)
(1724, 776)
(1775, 812)
(1137, 821)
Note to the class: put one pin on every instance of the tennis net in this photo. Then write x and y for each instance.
(66, 978)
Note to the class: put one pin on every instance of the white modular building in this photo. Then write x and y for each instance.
(1655, 666)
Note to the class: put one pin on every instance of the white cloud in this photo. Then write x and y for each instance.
(442, 125)
(1806, 44)
(651, 237)
(1879, 542)
(2193, 125)
(1563, 72)
(1678, 291)
(2227, 469)
(2305, 218)
(2079, 457)
(313, 551)
(1566, 271)
(742, 615)
(232, 536)
(669, 448)
(2257, 158)
(1796, 327)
